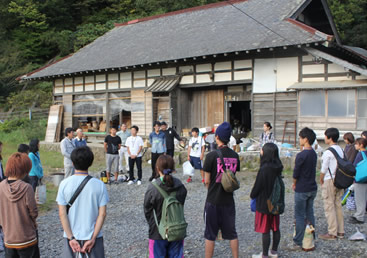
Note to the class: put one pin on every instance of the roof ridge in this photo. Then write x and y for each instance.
(187, 10)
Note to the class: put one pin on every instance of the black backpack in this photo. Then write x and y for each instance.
(345, 171)
(276, 202)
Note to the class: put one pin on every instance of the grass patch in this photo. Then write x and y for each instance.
(51, 193)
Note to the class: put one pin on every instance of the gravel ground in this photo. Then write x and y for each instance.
(126, 232)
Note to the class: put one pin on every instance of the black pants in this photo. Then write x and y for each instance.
(138, 162)
(155, 156)
(171, 152)
(33, 180)
(29, 252)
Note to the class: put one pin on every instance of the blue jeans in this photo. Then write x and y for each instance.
(303, 212)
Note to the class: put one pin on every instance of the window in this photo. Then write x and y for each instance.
(312, 103)
(362, 109)
(341, 103)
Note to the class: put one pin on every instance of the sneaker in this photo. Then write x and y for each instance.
(151, 178)
(340, 235)
(130, 182)
(203, 181)
(139, 182)
(354, 220)
(116, 182)
(189, 180)
(260, 255)
(154, 180)
(327, 236)
(294, 247)
(270, 254)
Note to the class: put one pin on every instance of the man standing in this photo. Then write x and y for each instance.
(79, 140)
(67, 146)
(83, 223)
(171, 134)
(135, 145)
(220, 210)
(123, 134)
(158, 141)
(112, 144)
(330, 194)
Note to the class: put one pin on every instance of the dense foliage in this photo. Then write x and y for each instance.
(35, 32)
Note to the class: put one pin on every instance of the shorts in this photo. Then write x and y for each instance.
(196, 162)
(220, 218)
(163, 248)
(112, 161)
(266, 222)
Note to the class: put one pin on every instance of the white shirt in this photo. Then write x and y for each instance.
(196, 145)
(134, 144)
(329, 162)
(232, 142)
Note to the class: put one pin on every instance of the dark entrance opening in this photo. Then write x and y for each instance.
(240, 116)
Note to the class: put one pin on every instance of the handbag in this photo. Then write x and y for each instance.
(77, 192)
(229, 181)
(253, 205)
(361, 175)
(41, 194)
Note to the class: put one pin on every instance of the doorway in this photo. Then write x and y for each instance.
(240, 116)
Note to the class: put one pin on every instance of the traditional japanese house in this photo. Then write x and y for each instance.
(245, 62)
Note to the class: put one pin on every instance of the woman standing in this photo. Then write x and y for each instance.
(270, 168)
(18, 209)
(153, 201)
(360, 189)
(2, 173)
(349, 150)
(36, 172)
(267, 135)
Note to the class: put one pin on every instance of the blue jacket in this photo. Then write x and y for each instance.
(37, 169)
(79, 143)
(158, 142)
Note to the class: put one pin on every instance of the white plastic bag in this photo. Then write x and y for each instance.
(41, 194)
(188, 170)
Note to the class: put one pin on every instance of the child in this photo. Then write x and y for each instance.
(112, 144)
(195, 152)
(270, 168)
(330, 194)
(157, 139)
(304, 185)
(349, 150)
(134, 145)
(153, 200)
(360, 189)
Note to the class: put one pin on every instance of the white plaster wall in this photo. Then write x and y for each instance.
(265, 78)
(287, 72)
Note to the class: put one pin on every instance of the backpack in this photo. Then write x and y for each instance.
(172, 226)
(345, 171)
(276, 202)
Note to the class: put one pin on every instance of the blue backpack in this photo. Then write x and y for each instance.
(361, 175)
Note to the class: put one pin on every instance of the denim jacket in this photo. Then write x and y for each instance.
(158, 142)
(67, 146)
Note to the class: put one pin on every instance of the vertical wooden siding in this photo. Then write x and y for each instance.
(143, 118)
(206, 108)
(275, 108)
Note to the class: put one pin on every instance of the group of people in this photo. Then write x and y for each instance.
(83, 200)
(18, 207)
(126, 146)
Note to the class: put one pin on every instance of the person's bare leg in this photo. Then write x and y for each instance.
(108, 175)
(116, 176)
(209, 248)
(202, 174)
(234, 246)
